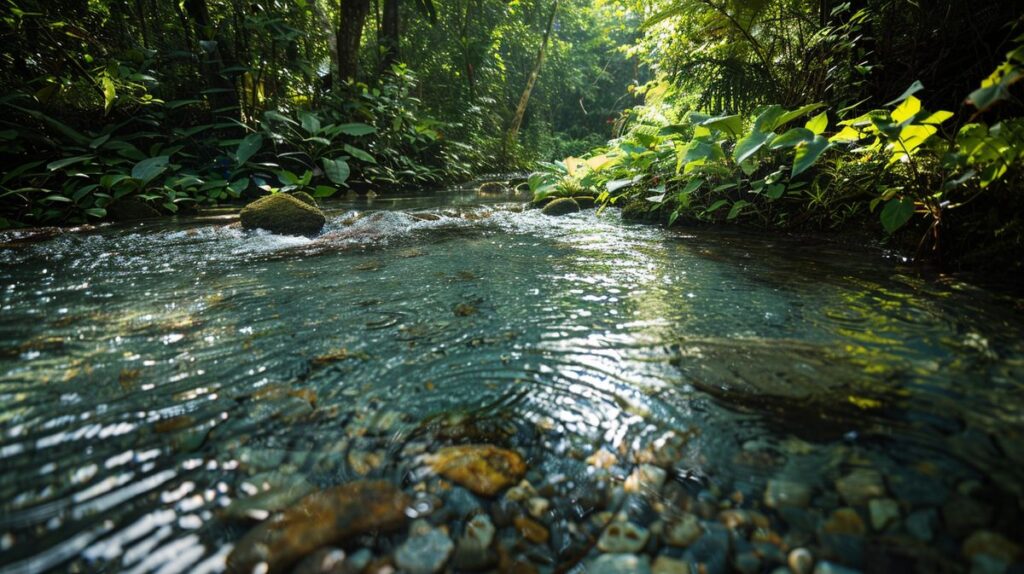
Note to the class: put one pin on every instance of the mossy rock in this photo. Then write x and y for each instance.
(636, 210)
(490, 187)
(563, 206)
(128, 209)
(283, 214)
(585, 201)
(304, 198)
(540, 203)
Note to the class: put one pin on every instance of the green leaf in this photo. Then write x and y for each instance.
(337, 170)
(62, 163)
(147, 169)
(359, 154)
(767, 120)
(356, 129)
(896, 214)
(914, 88)
(248, 148)
(236, 187)
(737, 208)
(792, 138)
(716, 206)
(807, 154)
(732, 125)
(692, 186)
(324, 191)
(96, 212)
(750, 145)
(818, 124)
(109, 94)
(310, 122)
(790, 116)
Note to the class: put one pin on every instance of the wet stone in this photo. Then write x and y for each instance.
(883, 512)
(845, 521)
(647, 478)
(531, 530)
(711, 551)
(461, 502)
(334, 561)
(780, 493)
(473, 549)
(484, 469)
(619, 564)
(425, 551)
(922, 524)
(986, 542)
(833, 568)
(800, 561)
(537, 506)
(683, 531)
(916, 489)
(860, 486)
(623, 537)
(327, 517)
(664, 564)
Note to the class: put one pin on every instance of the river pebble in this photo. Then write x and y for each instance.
(425, 551)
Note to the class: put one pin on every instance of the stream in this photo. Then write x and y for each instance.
(627, 399)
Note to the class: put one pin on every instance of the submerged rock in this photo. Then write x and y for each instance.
(986, 542)
(585, 201)
(620, 564)
(781, 493)
(425, 551)
(623, 537)
(128, 209)
(490, 187)
(484, 469)
(284, 214)
(473, 550)
(322, 518)
(563, 206)
(860, 486)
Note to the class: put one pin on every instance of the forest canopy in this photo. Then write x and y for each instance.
(176, 105)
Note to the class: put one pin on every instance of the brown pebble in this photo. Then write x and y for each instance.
(531, 530)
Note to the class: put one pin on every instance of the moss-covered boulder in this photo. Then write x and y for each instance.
(283, 214)
(585, 201)
(492, 187)
(304, 198)
(563, 206)
(636, 210)
(128, 209)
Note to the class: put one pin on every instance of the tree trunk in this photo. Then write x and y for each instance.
(390, 34)
(332, 42)
(517, 120)
(352, 18)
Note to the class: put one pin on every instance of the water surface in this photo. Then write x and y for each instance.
(158, 380)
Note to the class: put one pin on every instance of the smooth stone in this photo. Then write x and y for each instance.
(922, 524)
(916, 489)
(531, 530)
(992, 544)
(484, 469)
(664, 564)
(883, 512)
(860, 486)
(425, 552)
(711, 551)
(800, 561)
(833, 568)
(621, 537)
(334, 561)
(986, 564)
(747, 563)
(780, 493)
(619, 564)
(684, 531)
(473, 549)
(283, 214)
(461, 502)
(563, 206)
(276, 491)
(602, 459)
(647, 478)
(320, 519)
(845, 521)
(537, 506)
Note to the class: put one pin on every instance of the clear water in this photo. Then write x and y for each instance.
(149, 372)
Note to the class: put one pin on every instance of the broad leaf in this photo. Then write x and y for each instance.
(790, 116)
(248, 148)
(310, 122)
(750, 145)
(359, 154)
(356, 129)
(914, 88)
(807, 153)
(147, 169)
(792, 138)
(818, 124)
(732, 125)
(896, 214)
(62, 163)
(337, 170)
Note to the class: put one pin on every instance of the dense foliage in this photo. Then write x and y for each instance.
(109, 103)
(802, 115)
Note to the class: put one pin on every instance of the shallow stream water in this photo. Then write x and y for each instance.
(164, 386)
